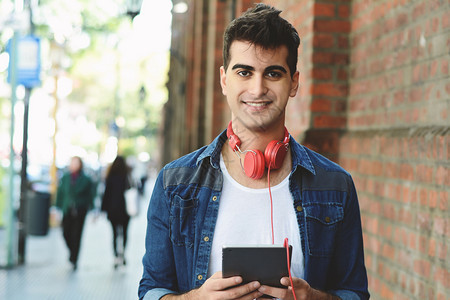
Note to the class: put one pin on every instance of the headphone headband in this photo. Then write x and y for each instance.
(255, 161)
(235, 142)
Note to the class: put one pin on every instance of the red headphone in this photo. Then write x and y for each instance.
(255, 162)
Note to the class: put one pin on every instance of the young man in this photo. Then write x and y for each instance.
(219, 194)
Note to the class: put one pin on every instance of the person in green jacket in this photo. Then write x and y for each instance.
(75, 196)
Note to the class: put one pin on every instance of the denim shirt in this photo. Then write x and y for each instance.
(183, 211)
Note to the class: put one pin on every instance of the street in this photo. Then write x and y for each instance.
(47, 273)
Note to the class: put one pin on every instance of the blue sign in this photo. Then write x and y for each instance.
(28, 62)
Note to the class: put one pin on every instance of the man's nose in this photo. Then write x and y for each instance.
(258, 86)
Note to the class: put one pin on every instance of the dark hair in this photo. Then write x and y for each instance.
(118, 167)
(262, 26)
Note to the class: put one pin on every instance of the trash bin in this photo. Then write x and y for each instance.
(38, 207)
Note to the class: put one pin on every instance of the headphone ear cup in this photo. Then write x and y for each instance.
(274, 154)
(254, 164)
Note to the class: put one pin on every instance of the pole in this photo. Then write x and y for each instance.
(23, 182)
(10, 261)
(23, 172)
(53, 170)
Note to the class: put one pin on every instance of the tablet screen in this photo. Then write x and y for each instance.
(264, 263)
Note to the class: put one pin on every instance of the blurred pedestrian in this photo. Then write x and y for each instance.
(75, 196)
(113, 203)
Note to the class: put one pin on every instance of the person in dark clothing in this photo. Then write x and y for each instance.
(75, 196)
(113, 203)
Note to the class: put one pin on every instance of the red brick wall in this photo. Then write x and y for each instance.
(397, 144)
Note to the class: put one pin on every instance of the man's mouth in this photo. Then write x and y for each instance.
(256, 104)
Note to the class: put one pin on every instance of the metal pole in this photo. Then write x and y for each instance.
(10, 261)
(23, 182)
(23, 174)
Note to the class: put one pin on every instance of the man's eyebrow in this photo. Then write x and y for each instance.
(242, 66)
(268, 69)
(276, 67)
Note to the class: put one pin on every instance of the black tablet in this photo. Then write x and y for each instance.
(264, 263)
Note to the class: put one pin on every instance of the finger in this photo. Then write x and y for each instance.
(245, 291)
(219, 283)
(280, 293)
(298, 282)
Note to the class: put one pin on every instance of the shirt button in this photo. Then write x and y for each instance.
(206, 239)
(199, 277)
(214, 198)
(327, 219)
(299, 208)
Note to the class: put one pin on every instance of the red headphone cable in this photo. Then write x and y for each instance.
(286, 241)
(271, 204)
(286, 245)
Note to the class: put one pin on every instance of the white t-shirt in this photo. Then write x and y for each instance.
(244, 218)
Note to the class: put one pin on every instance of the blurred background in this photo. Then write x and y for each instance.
(141, 78)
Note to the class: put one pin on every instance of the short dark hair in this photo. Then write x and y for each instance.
(262, 26)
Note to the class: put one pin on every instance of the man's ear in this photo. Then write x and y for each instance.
(223, 80)
(294, 84)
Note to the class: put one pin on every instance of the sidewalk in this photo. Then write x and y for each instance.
(47, 273)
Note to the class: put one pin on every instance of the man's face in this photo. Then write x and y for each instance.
(75, 165)
(257, 85)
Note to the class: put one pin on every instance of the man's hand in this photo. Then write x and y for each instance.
(218, 288)
(302, 291)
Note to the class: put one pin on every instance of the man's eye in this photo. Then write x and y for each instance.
(273, 74)
(243, 73)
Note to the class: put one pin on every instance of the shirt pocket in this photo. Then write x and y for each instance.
(322, 224)
(182, 221)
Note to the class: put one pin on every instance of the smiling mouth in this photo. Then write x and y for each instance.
(256, 104)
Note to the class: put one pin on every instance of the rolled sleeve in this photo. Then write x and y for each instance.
(157, 293)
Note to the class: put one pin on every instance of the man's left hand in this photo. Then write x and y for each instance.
(302, 290)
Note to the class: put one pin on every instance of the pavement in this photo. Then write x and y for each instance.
(48, 275)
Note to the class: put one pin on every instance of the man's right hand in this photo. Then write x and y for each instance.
(216, 288)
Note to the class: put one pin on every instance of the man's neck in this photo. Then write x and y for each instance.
(234, 164)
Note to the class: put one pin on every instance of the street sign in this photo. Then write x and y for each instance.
(28, 64)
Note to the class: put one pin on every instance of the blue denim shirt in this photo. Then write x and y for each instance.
(183, 211)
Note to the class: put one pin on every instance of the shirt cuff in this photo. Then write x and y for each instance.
(157, 293)
(346, 294)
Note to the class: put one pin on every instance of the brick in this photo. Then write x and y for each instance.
(424, 174)
(389, 251)
(331, 26)
(441, 226)
(406, 172)
(442, 175)
(423, 222)
(327, 121)
(329, 89)
(433, 199)
(330, 58)
(432, 247)
(342, 74)
(343, 42)
(323, 40)
(443, 200)
(324, 9)
(343, 11)
(321, 105)
(322, 73)
(422, 267)
(442, 275)
(441, 251)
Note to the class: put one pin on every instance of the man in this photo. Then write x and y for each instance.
(75, 196)
(219, 194)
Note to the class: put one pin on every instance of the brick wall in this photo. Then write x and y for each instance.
(397, 144)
